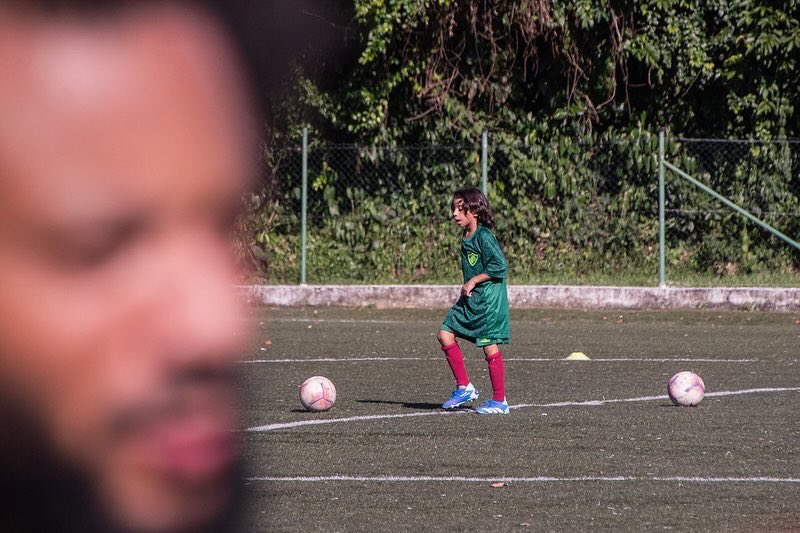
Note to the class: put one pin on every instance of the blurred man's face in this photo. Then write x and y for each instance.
(123, 151)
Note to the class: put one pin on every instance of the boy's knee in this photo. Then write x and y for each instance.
(492, 352)
(445, 337)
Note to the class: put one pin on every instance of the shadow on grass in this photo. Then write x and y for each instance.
(408, 405)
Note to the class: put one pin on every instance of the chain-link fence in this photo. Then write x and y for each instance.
(707, 237)
(567, 213)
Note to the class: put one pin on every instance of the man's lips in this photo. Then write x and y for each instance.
(193, 447)
(194, 451)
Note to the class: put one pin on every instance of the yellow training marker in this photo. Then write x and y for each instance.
(577, 356)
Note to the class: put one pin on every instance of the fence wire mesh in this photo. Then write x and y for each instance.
(706, 237)
(566, 213)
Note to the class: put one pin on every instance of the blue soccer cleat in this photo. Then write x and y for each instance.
(461, 396)
(493, 407)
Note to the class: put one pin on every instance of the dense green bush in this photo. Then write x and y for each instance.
(572, 95)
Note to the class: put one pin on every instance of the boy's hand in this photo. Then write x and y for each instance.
(468, 287)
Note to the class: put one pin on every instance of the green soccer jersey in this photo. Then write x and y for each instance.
(482, 318)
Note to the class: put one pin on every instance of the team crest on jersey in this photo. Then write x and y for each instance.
(472, 257)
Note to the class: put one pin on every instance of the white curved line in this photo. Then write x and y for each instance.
(509, 359)
(536, 479)
(300, 423)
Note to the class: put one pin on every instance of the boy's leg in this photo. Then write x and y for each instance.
(464, 392)
(497, 372)
(455, 358)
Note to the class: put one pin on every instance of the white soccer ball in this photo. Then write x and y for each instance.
(317, 393)
(686, 388)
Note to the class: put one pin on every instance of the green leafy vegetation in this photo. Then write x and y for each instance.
(572, 95)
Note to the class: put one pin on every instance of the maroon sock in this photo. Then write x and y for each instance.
(497, 373)
(456, 361)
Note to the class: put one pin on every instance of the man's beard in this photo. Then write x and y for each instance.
(39, 491)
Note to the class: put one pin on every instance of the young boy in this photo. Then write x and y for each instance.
(481, 313)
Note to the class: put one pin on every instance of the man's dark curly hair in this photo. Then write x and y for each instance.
(475, 201)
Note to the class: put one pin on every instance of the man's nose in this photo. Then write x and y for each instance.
(203, 313)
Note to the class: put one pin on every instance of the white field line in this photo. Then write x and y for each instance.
(340, 359)
(287, 425)
(591, 403)
(536, 479)
(510, 359)
(267, 320)
(666, 360)
(342, 321)
(649, 398)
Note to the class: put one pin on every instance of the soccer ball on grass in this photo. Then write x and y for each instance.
(317, 393)
(686, 388)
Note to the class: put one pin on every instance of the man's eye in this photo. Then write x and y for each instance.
(94, 248)
(84, 255)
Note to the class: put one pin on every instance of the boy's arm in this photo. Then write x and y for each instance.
(494, 260)
(469, 286)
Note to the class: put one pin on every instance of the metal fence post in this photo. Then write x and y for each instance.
(662, 275)
(304, 209)
(485, 162)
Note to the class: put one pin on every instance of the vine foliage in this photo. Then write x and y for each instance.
(572, 95)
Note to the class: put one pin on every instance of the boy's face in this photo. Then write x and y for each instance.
(123, 153)
(463, 217)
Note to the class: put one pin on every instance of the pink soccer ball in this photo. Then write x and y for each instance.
(686, 388)
(317, 393)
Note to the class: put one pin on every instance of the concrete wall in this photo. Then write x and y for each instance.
(529, 296)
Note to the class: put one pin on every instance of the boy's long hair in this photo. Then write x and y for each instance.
(475, 201)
